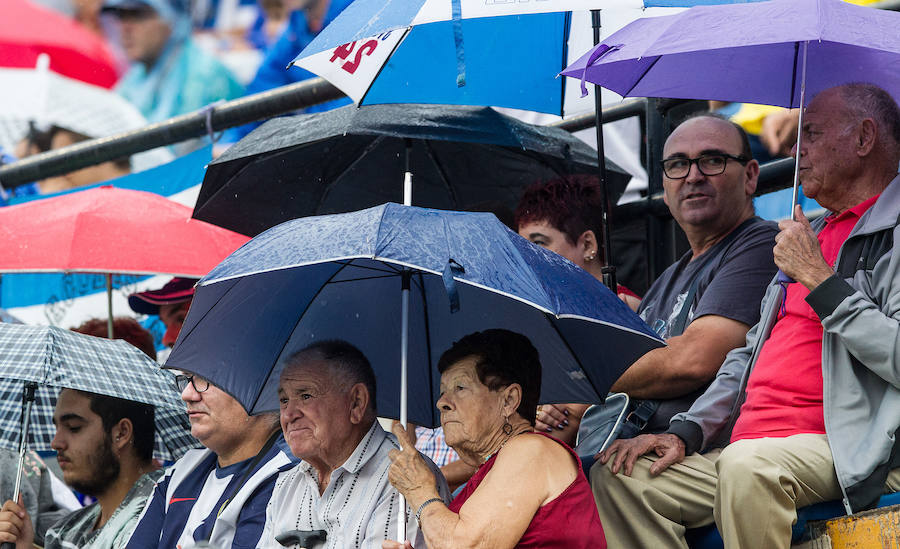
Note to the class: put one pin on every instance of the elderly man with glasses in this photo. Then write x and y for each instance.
(809, 406)
(703, 304)
(219, 494)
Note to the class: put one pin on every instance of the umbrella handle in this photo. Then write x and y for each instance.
(783, 278)
(27, 401)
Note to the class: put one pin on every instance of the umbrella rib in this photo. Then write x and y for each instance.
(390, 271)
(363, 278)
(790, 100)
(641, 77)
(567, 25)
(441, 172)
(383, 65)
(377, 141)
(572, 352)
(431, 366)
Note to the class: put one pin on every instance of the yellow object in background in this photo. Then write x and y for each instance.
(750, 116)
(875, 529)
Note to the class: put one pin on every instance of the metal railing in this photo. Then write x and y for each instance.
(773, 176)
(214, 118)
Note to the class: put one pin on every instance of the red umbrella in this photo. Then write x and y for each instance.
(114, 231)
(111, 231)
(28, 30)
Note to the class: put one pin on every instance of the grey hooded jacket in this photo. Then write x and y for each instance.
(859, 308)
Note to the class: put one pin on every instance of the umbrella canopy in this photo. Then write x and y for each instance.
(111, 230)
(341, 277)
(59, 359)
(749, 53)
(353, 158)
(49, 99)
(402, 51)
(27, 30)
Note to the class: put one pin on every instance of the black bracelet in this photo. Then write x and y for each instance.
(422, 507)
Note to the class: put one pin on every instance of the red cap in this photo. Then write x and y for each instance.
(177, 290)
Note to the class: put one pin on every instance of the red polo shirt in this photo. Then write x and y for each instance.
(784, 393)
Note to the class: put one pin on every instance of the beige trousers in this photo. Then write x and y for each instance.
(751, 489)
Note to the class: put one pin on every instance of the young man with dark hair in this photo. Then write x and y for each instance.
(105, 450)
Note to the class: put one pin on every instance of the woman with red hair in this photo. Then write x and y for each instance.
(563, 215)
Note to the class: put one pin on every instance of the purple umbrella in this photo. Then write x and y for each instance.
(748, 52)
(766, 52)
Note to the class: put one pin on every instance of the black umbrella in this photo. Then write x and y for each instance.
(356, 157)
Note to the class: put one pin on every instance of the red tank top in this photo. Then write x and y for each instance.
(569, 521)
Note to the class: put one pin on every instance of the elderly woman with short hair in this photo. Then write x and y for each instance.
(529, 490)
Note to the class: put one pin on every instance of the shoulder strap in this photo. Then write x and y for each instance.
(678, 326)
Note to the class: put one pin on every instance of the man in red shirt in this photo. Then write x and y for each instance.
(810, 406)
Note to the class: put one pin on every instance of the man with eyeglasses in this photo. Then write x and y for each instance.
(809, 407)
(216, 495)
(705, 302)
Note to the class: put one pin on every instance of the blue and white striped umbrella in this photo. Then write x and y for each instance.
(502, 53)
(56, 359)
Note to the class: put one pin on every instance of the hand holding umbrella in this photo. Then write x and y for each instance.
(16, 528)
(798, 253)
(27, 403)
(411, 477)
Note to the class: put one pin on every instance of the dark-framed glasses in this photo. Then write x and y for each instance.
(200, 384)
(709, 164)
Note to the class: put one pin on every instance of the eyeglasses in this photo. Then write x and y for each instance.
(708, 164)
(200, 384)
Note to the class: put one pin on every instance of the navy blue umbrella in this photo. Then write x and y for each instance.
(342, 276)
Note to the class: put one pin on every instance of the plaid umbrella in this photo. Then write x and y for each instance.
(56, 359)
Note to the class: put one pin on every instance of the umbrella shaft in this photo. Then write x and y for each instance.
(407, 189)
(605, 245)
(404, 355)
(796, 186)
(26, 421)
(407, 176)
(109, 310)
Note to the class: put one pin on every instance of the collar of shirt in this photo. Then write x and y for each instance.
(364, 451)
(855, 211)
